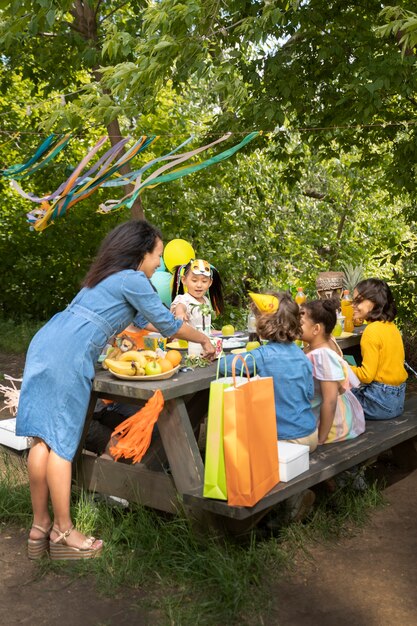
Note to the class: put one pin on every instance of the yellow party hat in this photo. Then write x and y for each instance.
(265, 302)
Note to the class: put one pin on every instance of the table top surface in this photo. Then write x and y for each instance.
(181, 384)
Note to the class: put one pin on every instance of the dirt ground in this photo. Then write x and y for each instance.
(369, 579)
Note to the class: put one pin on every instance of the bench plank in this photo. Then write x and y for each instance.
(325, 463)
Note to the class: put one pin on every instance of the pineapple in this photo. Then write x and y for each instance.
(353, 274)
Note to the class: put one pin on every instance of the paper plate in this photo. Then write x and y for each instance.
(175, 345)
(231, 344)
(344, 335)
(238, 350)
(162, 376)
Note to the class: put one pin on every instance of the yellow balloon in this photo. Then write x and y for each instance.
(177, 252)
(267, 303)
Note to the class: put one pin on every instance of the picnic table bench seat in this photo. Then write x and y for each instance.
(329, 460)
(171, 474)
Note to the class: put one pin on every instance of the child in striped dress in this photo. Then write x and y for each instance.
(339, 413)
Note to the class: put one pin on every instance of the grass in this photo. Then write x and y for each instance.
(193, 579)
(15, 336)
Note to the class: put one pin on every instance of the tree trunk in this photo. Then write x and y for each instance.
(86, 24)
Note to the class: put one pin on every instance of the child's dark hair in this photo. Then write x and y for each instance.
(284, 326)
(215, 291)
(323, 312)
(378, 292)
(123, 248)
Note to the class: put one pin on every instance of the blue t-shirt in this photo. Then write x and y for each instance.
(292, 375)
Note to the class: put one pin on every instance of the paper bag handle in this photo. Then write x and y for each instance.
(237, 358)
(223, 356)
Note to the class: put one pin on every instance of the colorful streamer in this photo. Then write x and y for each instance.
(81, 185)
(53, 142)
(155, 179)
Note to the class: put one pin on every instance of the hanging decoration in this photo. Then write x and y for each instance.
(54, 142)
(82, 184)
(156, 178)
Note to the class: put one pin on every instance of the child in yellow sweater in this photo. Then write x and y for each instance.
(382, 372)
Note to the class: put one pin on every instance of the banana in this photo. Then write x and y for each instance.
(130, 355)
(151, 354)
(120, 367)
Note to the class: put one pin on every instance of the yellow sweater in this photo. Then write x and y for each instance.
(382, 355)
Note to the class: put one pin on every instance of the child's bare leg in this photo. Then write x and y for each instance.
(59, 474)
(39, 492)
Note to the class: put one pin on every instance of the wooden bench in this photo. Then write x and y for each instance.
(326, 462)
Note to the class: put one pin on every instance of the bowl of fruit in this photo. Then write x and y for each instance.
(144, 365)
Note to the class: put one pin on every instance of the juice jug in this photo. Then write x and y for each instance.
(347, 310)
(300, 298)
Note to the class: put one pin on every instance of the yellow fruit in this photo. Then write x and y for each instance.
(130, 355)
(165, 364)
(121, 367)
(228, 330)
(174, 356)
(251, 345)
(149, 353)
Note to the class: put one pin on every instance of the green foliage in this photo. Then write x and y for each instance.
(194, 578)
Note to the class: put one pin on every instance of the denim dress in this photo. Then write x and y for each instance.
(60, 363)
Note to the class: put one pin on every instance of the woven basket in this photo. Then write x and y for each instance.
(329, 284)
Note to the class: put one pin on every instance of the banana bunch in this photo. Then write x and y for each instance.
(130, 363)
(127, 368)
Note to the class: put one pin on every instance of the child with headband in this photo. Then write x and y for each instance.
(197, 294)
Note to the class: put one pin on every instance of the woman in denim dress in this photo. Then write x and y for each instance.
(59, 373)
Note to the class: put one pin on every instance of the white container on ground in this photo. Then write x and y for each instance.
(9, 438)
(293, 460)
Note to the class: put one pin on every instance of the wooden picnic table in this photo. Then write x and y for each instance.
(173, 466)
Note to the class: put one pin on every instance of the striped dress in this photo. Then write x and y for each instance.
(349, 421)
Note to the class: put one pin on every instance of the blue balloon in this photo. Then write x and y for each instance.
(162, 283)
(162, 267)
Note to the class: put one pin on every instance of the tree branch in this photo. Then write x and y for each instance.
(317, 195)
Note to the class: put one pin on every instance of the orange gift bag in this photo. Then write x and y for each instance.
(249, 438)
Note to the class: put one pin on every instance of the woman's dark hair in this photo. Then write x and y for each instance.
(215, 291)
(323, 312)
(284, 326)
(378, 292)
(123, 248)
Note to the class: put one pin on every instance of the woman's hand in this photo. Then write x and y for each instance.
(209, 350)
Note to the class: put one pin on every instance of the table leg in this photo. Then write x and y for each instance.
(180, 445)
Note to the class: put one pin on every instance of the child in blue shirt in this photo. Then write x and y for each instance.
(290, 369)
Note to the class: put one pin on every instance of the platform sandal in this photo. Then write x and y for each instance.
(60, 550)
(37, 548)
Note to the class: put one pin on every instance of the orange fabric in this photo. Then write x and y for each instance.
(250, 439)
(135, 433)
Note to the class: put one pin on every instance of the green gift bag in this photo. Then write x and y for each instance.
(215, 472)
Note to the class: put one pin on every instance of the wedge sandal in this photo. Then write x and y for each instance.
(59, 550)
(37, 548)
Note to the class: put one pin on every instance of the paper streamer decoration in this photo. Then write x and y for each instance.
(156, 178)
(81, 185)
(55, 143)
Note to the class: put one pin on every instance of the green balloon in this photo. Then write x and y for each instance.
(162, 283)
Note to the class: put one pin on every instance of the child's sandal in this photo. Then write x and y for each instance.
(37, 548)
(60, 550)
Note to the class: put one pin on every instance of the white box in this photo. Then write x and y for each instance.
(293, 460)
(9, 438)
